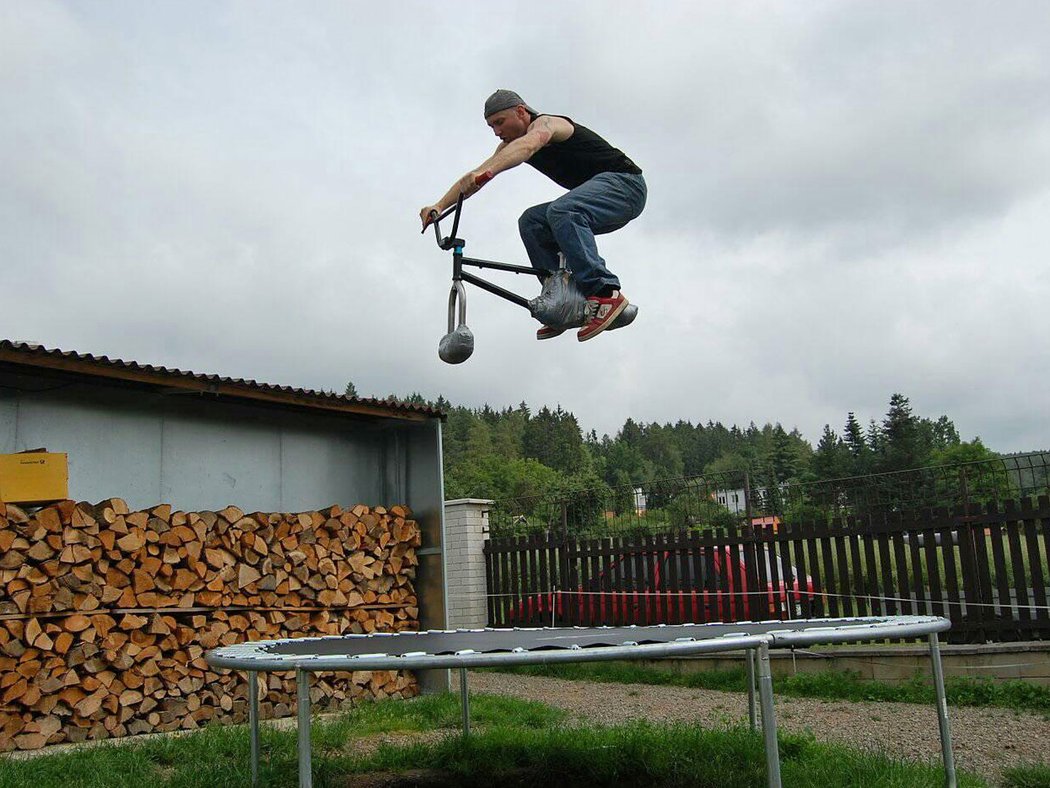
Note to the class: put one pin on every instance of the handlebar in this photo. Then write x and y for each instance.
(446, 243)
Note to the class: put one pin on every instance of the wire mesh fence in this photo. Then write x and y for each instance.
(984, 568)
(963, 484)
(757, 498)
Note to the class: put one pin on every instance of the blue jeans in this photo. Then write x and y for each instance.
(604, 203)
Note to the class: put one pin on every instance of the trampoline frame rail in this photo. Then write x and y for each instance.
(257, 656)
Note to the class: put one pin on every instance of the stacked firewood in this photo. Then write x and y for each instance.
(105, 614)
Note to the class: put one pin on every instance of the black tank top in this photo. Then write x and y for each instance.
(580, 158)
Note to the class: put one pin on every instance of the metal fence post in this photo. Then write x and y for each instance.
(253, 722)
(942, 712)
(752, 715)
(302, 681)
(464, 692)
(769, 720)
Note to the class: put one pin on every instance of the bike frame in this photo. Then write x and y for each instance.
(456, 246)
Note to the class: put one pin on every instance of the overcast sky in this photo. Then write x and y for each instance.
(846, 200)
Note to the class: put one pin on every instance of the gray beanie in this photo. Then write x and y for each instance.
(505, 99)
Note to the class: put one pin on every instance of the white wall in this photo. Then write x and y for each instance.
(466, 529)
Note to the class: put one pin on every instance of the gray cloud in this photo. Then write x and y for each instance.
(846, 200)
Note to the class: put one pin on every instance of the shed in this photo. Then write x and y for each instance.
(150, 434)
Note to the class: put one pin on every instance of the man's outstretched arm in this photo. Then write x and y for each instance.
(466, 186)
(544, 130)
(508, 155)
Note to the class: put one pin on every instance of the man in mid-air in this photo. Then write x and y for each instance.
(606, 190)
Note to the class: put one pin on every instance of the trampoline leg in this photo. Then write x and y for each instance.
(253, 723)
(769, 720)
(942, 712)
(465, 698)
(302, 680)
(752, 712)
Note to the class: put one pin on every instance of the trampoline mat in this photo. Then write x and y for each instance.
(488, 641)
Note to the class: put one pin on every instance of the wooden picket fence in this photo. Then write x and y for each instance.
(986, 569)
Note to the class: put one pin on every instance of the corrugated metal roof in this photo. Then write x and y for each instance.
(31, 354)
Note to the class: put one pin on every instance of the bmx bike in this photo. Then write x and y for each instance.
(458, 344)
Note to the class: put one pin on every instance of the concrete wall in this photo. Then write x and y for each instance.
(199, 454)
(419, 449)
(466, 526)
(1028, 661)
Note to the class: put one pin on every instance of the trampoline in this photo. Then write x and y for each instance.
(463, 649)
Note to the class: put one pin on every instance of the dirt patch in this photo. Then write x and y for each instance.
(415, 777)
(435, 778)
(984, 740)
(367, 745)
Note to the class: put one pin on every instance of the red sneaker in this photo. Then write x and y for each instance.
(603, 312)
(549, 332)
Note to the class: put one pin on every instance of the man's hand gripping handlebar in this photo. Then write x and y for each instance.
(431, 215)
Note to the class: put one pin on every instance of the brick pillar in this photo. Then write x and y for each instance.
(466, 529)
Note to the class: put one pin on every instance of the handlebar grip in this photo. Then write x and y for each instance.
(484, 178)
(432, 218)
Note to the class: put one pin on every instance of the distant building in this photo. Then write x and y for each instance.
(733, 500)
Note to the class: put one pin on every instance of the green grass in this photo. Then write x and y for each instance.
(443, 711)
(218, 756)
(660, 755)
(829, 685)
(518, 743)
(1031, 776)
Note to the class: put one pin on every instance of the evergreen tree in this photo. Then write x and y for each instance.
(508, 431)
(832, 455)
(782, 456)
(690, 442)
(658, 446)
(945, 435)
(553, 438)
(853, 436)
(624, 461)
(874, 438)
(623, 492)
(631, 434)
(415, 398)
(502, 452)
(479, 442)
(858, 449)
(726, 464)
(718, 440)
(900, 446)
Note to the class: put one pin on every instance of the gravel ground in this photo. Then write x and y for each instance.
(985, 740)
